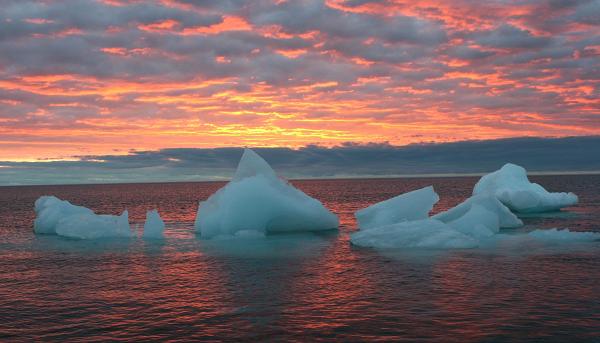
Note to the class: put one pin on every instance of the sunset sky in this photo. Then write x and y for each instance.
(81, 78)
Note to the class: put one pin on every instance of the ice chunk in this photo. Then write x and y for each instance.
(506, 219)
(50, 209)
(257, 200)
(154, 226)
(512, 187)
(402, 222)
(555, 235)
(477, 222)
(424, 233)
(93, 226)
(60, 217)
(404, 207)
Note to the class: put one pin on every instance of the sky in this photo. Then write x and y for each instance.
(81, 80)
(109, 77)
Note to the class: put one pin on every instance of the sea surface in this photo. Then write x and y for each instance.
(294, 287)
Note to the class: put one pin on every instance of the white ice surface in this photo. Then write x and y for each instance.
(258, 201)
(511, 186)
(506, 219)
(477, 222)
(424, 234)
(50, 209)
(93, 226)
(409, 206)
(469, 224)
(154, 226)
(564, 235)
(60, 217)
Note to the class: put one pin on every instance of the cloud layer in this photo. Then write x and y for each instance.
(346, 160)
(89, 77)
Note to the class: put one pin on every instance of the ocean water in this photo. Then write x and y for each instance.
(296, 287)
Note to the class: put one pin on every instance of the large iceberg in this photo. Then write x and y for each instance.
(60, 217)
(154, 226)
(506, 219)
(257, 200)
(511, 186)
(404, 207)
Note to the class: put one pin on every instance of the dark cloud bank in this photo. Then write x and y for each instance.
(349, 160)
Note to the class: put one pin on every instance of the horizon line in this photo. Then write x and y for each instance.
(337, 177)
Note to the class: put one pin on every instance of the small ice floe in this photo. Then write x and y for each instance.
(60, 217)
(154, 226)
(564, 235)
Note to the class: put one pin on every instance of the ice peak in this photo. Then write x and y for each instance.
(251, 164)
(511, 186)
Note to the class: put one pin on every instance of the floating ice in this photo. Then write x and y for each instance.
(477, 222)
(406, 225)
(93, 226)
(154, 226)
(510, 185)
(565, 235)
(60, 217)
(257, 200)
(424, 233)
(404, 207)
(506, 219)
(50, 209)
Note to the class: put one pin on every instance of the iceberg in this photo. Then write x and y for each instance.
(506, 219)
(154, 226)
(409, 206)
(257, 200)
(403, 222)
(511, 186)
(60, 217)
(423, 233)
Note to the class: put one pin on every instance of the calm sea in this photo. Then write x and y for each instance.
(299, 287)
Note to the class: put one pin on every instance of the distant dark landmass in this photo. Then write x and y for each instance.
(571, 154)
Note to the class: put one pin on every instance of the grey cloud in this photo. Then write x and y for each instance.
(348, 160)
(304, 16)
(508, 36)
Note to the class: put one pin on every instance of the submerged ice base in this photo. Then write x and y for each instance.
(511, 186)
(257, 200)
(424, 233)
(60, 217)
